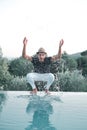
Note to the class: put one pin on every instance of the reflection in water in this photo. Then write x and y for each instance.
(2, 100)
(41, 111)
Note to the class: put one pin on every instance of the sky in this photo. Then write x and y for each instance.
(44, 23)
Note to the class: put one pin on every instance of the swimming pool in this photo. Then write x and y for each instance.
(59, 111)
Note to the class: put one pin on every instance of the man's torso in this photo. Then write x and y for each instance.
(41, 67)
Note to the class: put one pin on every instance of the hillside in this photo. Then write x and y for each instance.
(76, 55)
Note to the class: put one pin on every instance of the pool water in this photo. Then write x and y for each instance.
(58, 111)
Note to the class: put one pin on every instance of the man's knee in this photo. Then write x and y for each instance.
(51, 76)
(29, 76)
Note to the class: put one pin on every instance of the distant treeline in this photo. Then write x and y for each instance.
(70, 73)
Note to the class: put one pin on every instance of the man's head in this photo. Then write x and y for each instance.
(41, 54)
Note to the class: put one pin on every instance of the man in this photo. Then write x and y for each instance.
(41, 66)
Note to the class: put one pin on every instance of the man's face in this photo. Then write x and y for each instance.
(41, 56)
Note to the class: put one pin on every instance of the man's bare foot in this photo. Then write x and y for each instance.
(34, 91)
(47, 91)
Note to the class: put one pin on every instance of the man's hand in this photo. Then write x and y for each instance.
(25, 41)
(61, 43)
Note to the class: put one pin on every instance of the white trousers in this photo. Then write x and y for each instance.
(32, 77)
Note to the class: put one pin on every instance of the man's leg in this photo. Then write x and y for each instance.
(49, 77)
(31, 77)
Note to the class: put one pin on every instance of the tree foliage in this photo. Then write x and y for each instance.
(20, 67)
(72, 81)
(70, 63)
(5, 76)
(84, 53)
(82, 64)
(17, 83)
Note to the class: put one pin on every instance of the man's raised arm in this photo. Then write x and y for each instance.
(24, 50)
(58, 56)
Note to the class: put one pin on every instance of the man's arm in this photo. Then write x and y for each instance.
(58, 56)
(24, 50)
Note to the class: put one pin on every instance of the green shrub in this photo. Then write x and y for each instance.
(72, 81)
(18, 84)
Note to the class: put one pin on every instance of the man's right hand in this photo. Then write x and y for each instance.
(25, 41)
